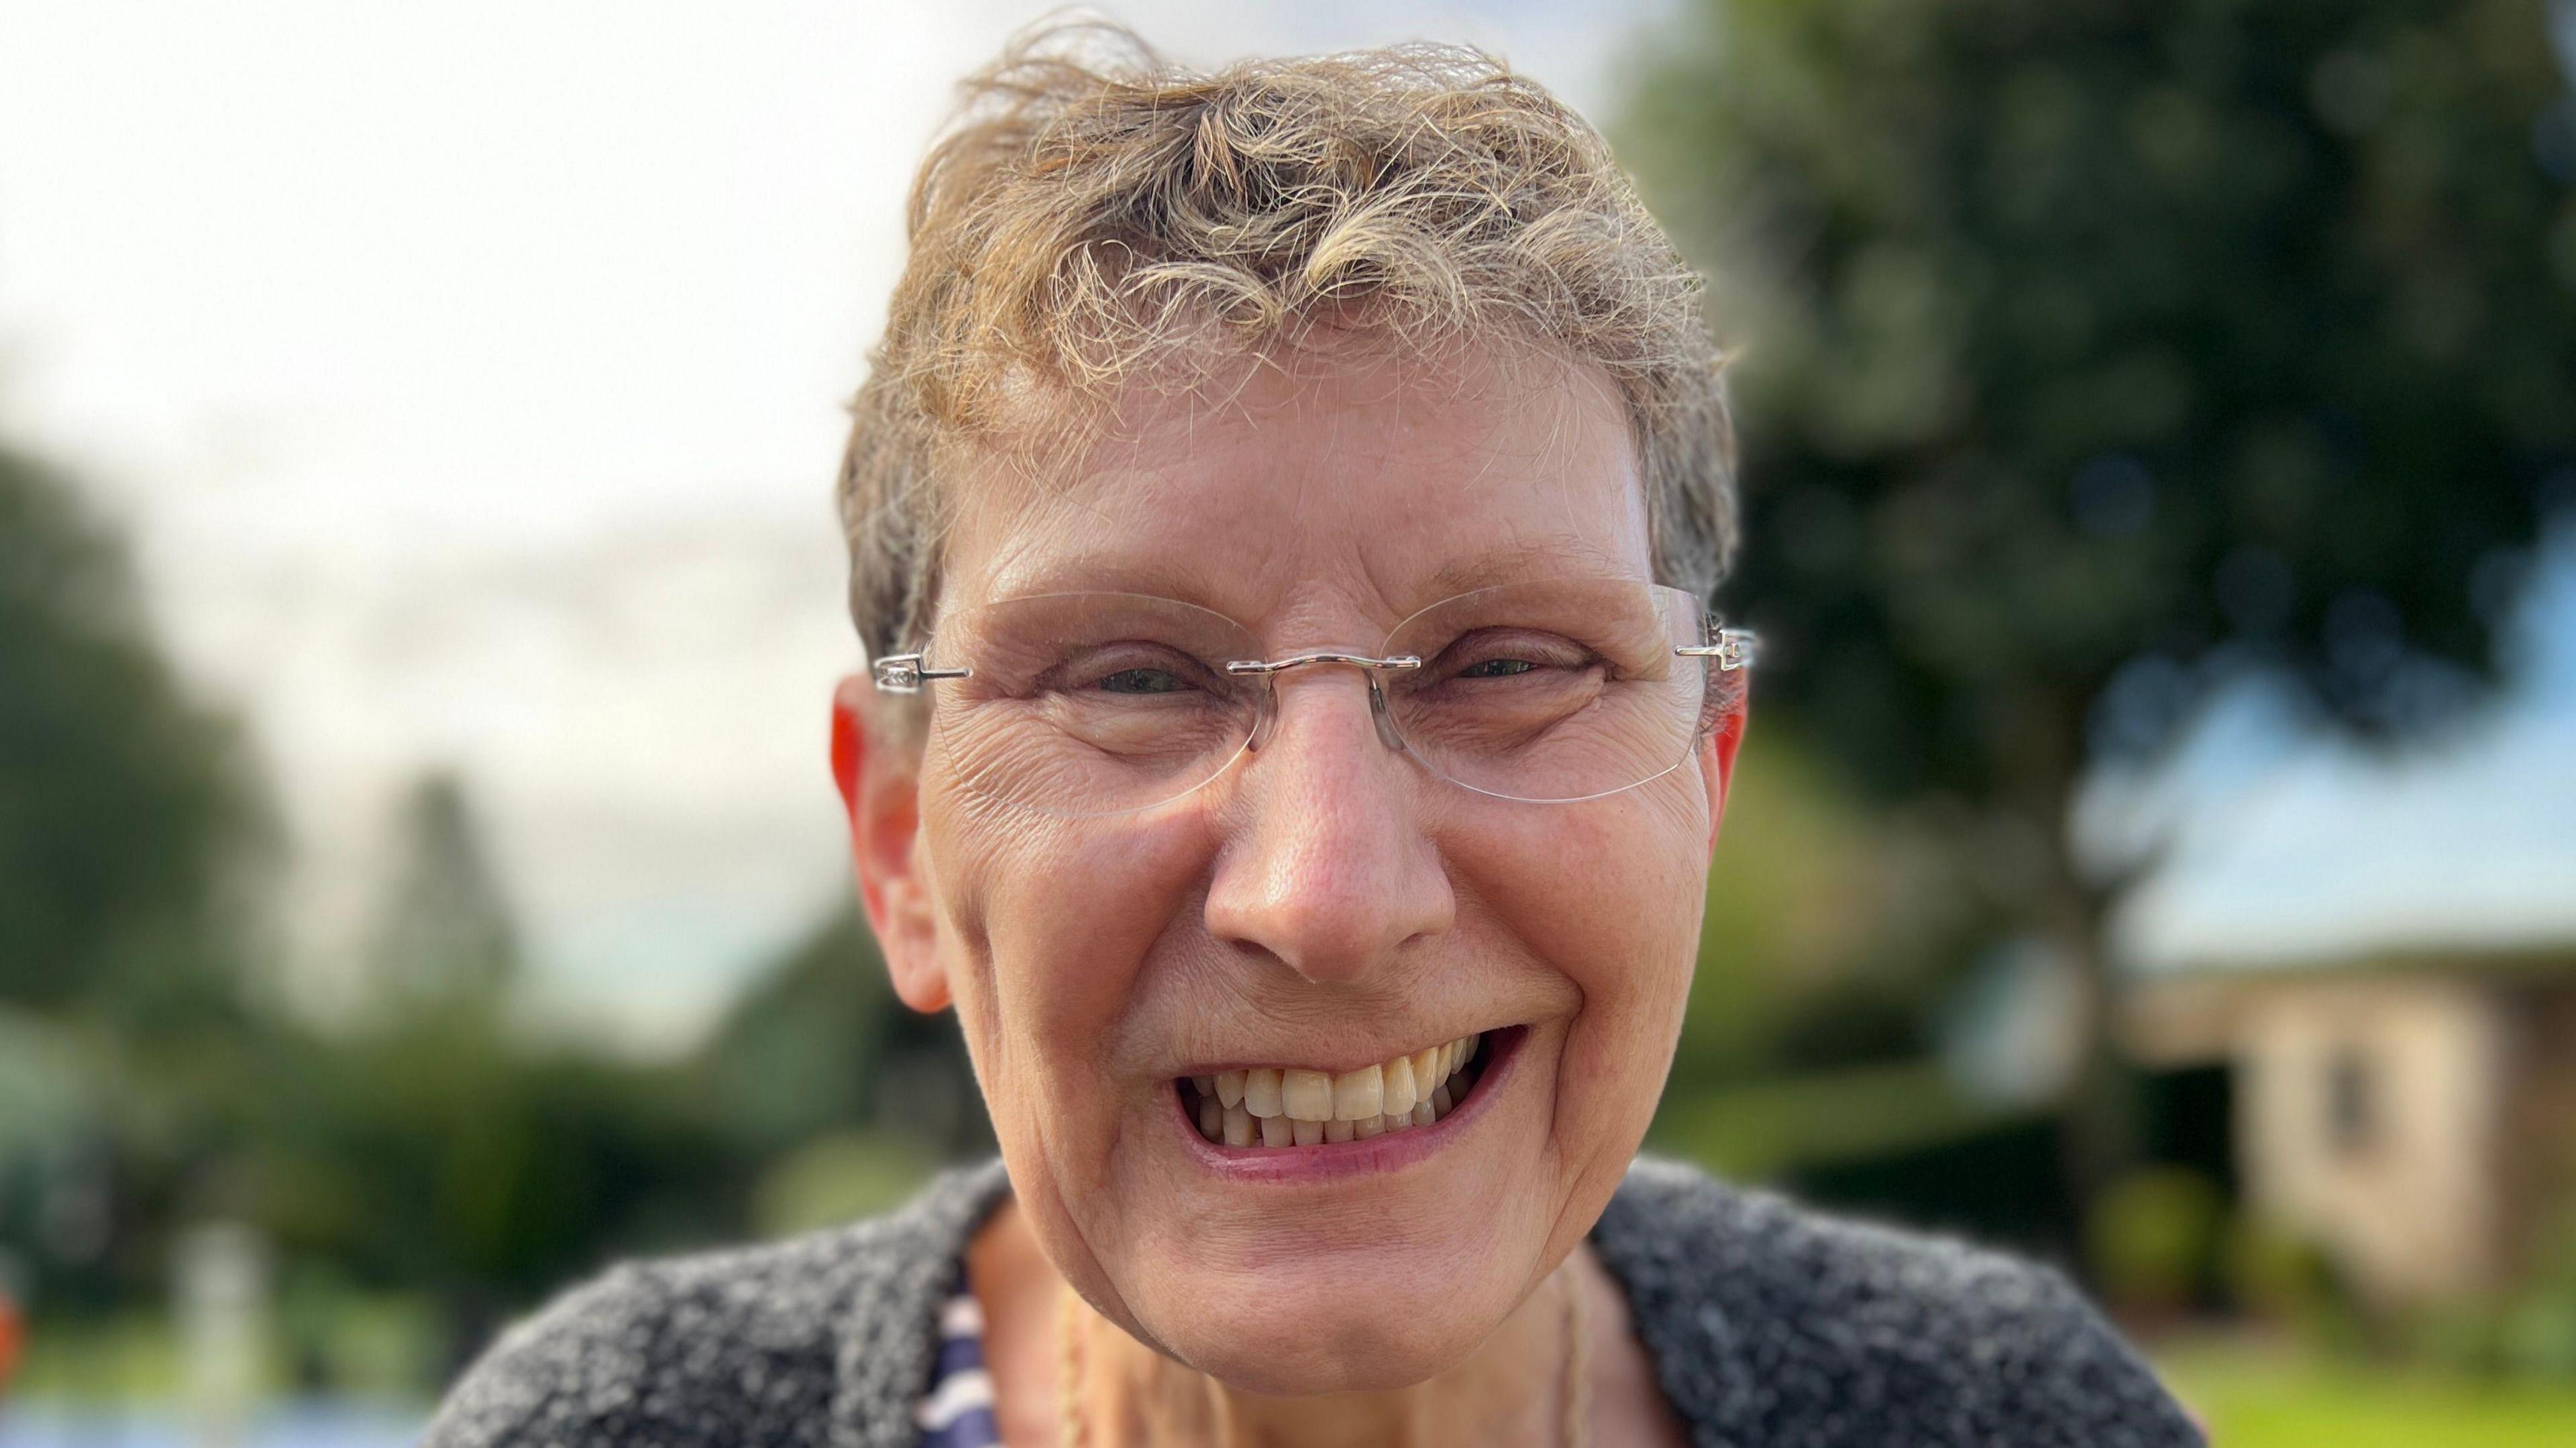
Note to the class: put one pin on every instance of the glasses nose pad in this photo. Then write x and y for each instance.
(1265, 719)
(1265, 713)
(1384, 717)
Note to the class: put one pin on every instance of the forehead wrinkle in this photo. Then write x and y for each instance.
(1560, 450)
(1033, 554)
(1522, 558)
(1556, 469)
(1157, 575)
(1544, 457)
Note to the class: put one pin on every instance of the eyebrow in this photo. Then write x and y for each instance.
(1520, 560)
(1183, 580)
(1154, 577)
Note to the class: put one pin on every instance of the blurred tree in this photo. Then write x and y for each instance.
(845, 1098)
(797, 1054)
(1821, 948)
(2097, 351)
(433, 1145)
(444, 932)
(126, 813)
(133, 840)
(436, 1151)
(819, 1045)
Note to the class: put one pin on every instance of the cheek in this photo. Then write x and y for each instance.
(1609, 895)
(1046, 926)
(1607, 890)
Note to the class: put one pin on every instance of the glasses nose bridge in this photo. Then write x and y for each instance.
(1372, 667)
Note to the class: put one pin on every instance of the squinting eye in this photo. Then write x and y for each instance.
(1496, 669)
(1142, 681)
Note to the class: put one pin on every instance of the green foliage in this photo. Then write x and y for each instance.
(126, 816)
(128, 1358)
(2091, 349)
(2526, 1331)
(444, 933)
(1792, 896)
(1829, 930)
(821, 1046)
(2278, 1276)
(429, 1145)
(2154, 1239)
(2538, 1333)
(1764, 1131)
(2094, 353)
(375, 1345)
(441, 1152)
(796, 1055)
(419, 1168)
(838, 1178)
(131, 837)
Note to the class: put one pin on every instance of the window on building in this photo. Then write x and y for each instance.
(2352, 1102)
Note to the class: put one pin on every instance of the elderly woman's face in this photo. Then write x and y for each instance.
(1323, 904)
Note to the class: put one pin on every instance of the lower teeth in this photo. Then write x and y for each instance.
(1289, 1107)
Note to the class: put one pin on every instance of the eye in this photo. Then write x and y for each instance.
(1487, 654)
(1142, 681)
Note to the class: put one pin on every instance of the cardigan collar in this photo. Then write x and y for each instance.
(885, 1357)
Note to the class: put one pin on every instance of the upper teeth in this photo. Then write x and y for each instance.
(1285, 1107)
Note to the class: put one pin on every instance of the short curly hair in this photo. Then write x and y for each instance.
(1095, 213)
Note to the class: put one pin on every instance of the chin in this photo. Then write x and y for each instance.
(1361, 1316)
(1363, 1343)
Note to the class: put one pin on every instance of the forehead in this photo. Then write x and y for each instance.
(1350, 485)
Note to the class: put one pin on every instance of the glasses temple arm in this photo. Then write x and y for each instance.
(1732, 648)
(905, 674)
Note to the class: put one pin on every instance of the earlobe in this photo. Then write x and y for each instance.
(880, 797)
(919, 980)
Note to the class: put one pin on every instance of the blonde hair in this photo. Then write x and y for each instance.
(1095, 213)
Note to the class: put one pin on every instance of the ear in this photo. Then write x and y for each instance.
(879, 780)
(1717, 759)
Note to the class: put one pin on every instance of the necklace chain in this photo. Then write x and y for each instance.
(1574, 1392)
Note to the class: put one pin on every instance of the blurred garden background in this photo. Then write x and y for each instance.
(419, 602)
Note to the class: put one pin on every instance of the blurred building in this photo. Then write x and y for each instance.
(2412, 1114)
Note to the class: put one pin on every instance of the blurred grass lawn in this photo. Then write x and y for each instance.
(2256, 1397)
(372, 1347)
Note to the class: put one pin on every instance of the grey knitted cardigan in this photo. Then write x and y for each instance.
(1769, 1326)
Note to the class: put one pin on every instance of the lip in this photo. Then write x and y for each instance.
(1336, 1160)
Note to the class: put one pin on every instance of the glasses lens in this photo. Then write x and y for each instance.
(1089, 703)
(1551, 690)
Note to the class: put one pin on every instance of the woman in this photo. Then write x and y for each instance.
(1281, 510)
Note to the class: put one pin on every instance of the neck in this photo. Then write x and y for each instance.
(1046, 1349)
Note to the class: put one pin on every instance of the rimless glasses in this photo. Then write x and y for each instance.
(1546, 691)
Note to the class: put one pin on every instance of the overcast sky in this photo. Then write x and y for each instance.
(469, 377)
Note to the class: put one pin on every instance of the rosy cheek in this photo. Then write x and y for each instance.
(1607, 896)
(1059, 917)
(1589, 881)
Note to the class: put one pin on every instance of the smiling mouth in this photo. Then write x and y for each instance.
(1268, 1106)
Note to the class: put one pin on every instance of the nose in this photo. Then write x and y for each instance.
(1326, 865)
